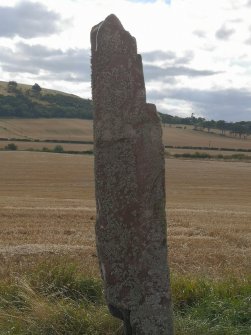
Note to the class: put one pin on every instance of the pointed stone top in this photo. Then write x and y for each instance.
(109, 36)
(113, 21)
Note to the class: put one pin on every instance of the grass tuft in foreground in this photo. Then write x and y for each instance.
(205, 306)
(61, 300)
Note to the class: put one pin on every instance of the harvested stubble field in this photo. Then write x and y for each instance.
(64, 129)
(81, 130)
(49, 278)
(47, 211)
(179, 137)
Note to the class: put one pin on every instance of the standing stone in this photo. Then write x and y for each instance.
(130, 185)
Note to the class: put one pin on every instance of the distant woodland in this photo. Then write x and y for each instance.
(35, 102)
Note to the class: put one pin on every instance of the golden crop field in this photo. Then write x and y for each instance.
(82, 130)
(47, 211)
(59, 129)
(188, 137)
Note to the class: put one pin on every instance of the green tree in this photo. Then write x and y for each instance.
(58, 148)
(36, 88)
(12, 87)
(208, 125)
(221, 124)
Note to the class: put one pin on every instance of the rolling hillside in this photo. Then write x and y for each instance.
(35, 114)
(25, 101)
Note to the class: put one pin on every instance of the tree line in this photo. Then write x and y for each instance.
(240, 129)
(34, 103)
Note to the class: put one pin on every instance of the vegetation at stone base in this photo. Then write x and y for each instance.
(52, 301)
(60, 299)
(205, 306)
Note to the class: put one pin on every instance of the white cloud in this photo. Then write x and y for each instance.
(189, 39)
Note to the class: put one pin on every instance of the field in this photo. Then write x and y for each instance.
(59, 129)
(47, 208)
(47, 211)
(82, 130)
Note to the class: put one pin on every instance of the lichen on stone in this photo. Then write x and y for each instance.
(129, 185)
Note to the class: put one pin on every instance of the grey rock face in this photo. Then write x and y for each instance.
(130, 185)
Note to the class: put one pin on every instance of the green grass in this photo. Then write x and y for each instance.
(60, 299)
(54, 300)
(204, 306)
(57, 149)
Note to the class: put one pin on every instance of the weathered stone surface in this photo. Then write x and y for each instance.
(130, 185)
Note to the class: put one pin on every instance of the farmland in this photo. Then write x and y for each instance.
(75, 135)
(81, 130)
(47, 211)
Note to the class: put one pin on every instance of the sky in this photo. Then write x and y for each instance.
(196, 53)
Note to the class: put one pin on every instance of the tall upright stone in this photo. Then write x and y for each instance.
(130, 185)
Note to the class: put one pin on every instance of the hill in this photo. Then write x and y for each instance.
(26, 101)
(31, 101)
